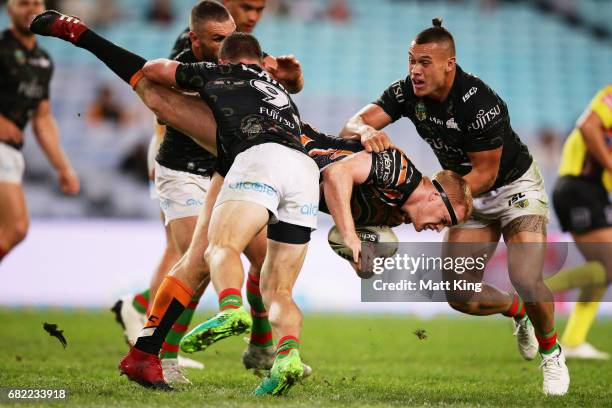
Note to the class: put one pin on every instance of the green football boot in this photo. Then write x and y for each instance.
(286, 371)
(229, 322)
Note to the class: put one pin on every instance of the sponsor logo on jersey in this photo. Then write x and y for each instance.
(257, 187)
(451, 124)
(20, 57)
(396, 88)
(276, 116)
(384, 172)
(420, 111)
(482, 118)
(439, 146)
(436, 121)
(469, 93)
(40, 62)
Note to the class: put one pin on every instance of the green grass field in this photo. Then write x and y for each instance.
(357, 361)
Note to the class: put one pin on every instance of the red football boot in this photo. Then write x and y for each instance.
(54, 24)
(144, 368)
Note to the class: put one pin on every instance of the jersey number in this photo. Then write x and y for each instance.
(274, 96)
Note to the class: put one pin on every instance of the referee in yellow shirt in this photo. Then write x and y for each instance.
(582, 205)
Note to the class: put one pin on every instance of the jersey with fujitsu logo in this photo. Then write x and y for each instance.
(473, 118)
(24, 80)
(250, 107)
(391, 180)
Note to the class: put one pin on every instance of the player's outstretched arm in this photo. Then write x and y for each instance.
(338, 181)
(47, 134)
(366, 126)
(485, 166)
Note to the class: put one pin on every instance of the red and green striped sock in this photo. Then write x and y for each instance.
(141, 301)
(170, 348)
(286, 344)
(230, 298)
(261, 331)
(516, 309)
(548, 342)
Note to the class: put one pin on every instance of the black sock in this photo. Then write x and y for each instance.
(122, 62)
(152, 344)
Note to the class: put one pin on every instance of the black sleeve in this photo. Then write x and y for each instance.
(194, 76)
(487, 118)
(393, 100)
(181, 43)
(391, 169)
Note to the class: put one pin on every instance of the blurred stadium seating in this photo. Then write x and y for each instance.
(545, 69)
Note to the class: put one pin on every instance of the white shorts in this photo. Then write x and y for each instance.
(524, 196)
(279, 178)
(151, 153)
(181, 194)
(12, 164)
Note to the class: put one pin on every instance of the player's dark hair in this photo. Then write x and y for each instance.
(207, 10)
(240, 45)
(436, 34)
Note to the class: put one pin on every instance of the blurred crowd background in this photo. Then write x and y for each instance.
(546, 58)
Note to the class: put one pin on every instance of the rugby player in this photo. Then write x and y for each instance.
(467, 125)
(183, 171)
(268, 178)
(581, 202)
(25, 74)
(182, 177)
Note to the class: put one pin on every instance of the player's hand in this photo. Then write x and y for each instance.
(9, 132)
(354, 243)
(376, 141)
(68, 181)
(286, 69)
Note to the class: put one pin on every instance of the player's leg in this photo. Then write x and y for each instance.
(481, 242)
(595, 247)
(14, 219)
(170, 106)
(280, 271)
(260, 351)
(188, 278)
(526, 240)
(475, 242)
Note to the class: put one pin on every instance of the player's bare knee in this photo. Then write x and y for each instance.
(19, 230)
